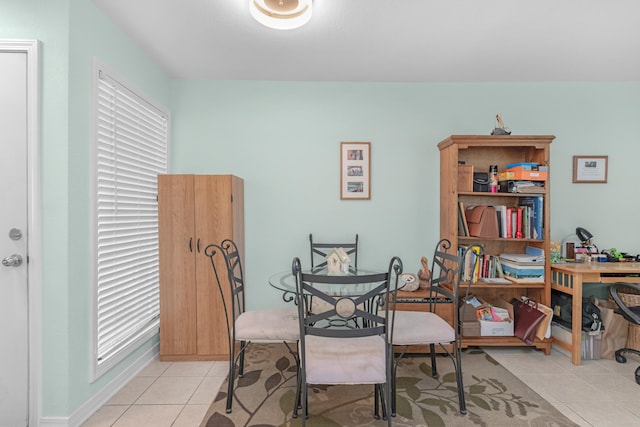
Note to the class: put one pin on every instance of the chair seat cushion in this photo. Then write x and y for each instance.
(420, 327)
(268, 325)
(345, 361)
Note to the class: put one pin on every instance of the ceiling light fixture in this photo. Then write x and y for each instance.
(281, 14)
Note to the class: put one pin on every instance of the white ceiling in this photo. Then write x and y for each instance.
(392, 40)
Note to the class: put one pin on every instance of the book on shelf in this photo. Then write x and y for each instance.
(522, 273)
(536, 214)
(499, 270)
(523, 165)
(471, 267)
(519, 269)
(518, 233)
(483, 267)
(501, 213)
(524, 259)
(526, 279)
(496, 280)
(524, 267)
(463, 225)
(533, 251)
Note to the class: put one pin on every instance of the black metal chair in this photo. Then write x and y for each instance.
(630, 313)
(319, 251)
(243, 327)
(346, 356)
(429, 328)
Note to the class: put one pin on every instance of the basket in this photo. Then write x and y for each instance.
(631, 298)
(633, 339)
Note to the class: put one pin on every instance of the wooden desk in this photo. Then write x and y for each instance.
(568, 278)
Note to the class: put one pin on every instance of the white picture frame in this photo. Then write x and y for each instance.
(355, 171)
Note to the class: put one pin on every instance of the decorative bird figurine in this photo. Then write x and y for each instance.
(424, 275)
(500, 129)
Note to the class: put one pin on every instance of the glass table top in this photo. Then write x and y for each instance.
(286, 282)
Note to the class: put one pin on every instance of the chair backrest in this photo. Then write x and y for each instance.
(229, 277)
(319, 251)
(447, 271)
(366, 307)
(628, 311)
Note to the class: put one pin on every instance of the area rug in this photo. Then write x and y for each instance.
(264, 396)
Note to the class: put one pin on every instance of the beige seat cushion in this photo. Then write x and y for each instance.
(345, 361)
(268, 325)
(419, 327)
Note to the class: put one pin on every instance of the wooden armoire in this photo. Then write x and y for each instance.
(194, 211)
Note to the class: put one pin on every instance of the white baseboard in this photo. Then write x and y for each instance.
(99, 399)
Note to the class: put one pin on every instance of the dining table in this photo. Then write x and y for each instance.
(285, 281)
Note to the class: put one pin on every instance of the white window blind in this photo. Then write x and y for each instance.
(131, 143)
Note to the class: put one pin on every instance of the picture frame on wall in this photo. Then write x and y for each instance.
(355, 170)
(590, 169)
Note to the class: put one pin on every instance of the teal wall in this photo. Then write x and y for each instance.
(91, 36)
(71, 32)
(283, 139)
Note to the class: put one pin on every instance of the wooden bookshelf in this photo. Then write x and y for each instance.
(481, 151)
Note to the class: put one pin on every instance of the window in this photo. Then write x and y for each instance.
(130, 147)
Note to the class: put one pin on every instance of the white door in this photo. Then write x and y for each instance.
(14, 291)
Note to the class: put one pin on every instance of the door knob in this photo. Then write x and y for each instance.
(14, 260)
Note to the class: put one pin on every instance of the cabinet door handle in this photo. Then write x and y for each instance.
(191, 244)
(198, 245)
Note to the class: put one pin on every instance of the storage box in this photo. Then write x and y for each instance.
(465, 178)
(501, 329)
(527, 167)
(471, 329)
(523, 165)
(468, 318)
(481, 182)
(591, 344)
(522, 175)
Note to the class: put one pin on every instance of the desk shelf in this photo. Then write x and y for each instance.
(569, 278)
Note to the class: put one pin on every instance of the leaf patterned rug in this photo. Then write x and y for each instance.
(264, 396)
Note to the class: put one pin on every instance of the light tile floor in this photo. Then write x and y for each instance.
(598, 393)
(167, 394)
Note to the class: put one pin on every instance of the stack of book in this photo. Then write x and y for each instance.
(525, 221)
(527, 267)
(523, 178)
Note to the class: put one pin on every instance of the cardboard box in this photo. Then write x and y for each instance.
(522, 175)
(468, 318)
(496, 329)
(471, 329)
(527, 167)
(501, 329)
(465, 178)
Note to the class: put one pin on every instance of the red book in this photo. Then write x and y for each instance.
(519, 234)
(509, 214)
